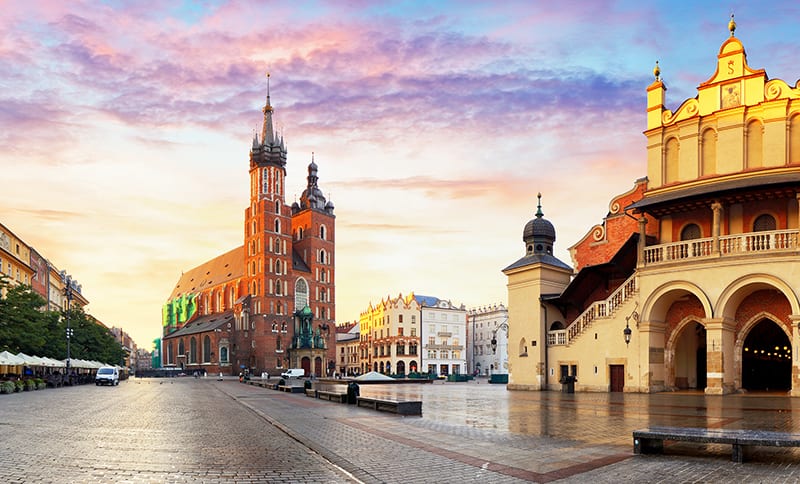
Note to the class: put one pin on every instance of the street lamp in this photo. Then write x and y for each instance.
(69, 285)
(503, 326)
(627, 331)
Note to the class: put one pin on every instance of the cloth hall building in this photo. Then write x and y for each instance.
(268, 304)
(691, 281)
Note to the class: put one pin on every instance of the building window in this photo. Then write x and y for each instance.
(413, 332)
(794, 140)
(671, 161)
(708, 164)
(206, 349)
(192, 350)
(764, 223)
(322, 232)
(223, 354)
(277, 226)
(691, 232)
(755, 145)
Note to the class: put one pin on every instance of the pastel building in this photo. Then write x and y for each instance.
(690, 281)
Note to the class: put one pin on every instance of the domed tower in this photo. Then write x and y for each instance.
(539, 234)
(533, 279)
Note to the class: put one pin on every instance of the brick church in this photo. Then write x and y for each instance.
(266, 305)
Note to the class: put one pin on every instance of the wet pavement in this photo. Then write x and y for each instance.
(203, 430)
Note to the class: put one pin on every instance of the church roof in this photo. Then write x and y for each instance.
(203, 324)
(538, 259)
(226, 267)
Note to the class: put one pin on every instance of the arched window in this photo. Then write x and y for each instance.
(671, 161)
(192, 350)
(181, 348)
(322, 232)
(223, 354)
(264, 180)
(300, 294)
(322, 256)
(523, 347)
(277, 207)
(556, 326)
(764, 223)
(278, 344)
(277, 226)
(278, 288)
(709, 153)
(794, 140)
(170, 354)
(299, 233)
(691, 232)
(206, 349)
(755, 144)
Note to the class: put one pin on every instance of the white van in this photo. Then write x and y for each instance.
(107, 375)
(293, 372)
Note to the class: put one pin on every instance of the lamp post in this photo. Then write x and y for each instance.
(627, 331)
(69, 285)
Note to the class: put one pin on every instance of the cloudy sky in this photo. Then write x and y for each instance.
(125, 129)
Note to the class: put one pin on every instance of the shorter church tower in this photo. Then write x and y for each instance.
(531, 279)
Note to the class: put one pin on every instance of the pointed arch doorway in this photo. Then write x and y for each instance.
(767, 358)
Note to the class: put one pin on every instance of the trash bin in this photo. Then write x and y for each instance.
(352, 392)
(568, 383)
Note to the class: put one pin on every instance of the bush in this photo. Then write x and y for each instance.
(30, 385)
(19, 385)
(40, 383)
(7, 387)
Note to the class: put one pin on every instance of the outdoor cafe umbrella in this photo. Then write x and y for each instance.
(9, 359)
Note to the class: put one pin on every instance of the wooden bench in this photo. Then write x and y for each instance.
(394, 406)
(651, 440)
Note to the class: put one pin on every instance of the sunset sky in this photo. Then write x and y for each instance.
(125, 129)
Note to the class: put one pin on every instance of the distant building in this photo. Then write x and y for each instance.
(488, 339)
(348, 342)
(690, 281)
(443, 336)
(390, 336)
(268, 304)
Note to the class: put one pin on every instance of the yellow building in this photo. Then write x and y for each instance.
(691, 281)
(390, 336)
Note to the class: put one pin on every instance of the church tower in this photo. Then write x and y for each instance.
(267, 242)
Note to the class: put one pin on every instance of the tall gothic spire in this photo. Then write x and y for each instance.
(267, 132)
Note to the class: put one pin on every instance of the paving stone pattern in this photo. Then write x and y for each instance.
(204, 430)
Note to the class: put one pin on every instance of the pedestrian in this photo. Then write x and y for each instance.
(241, 377)
(220, 377)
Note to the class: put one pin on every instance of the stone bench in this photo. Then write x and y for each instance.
(651, 440)
(394, 406)
(290, 389)
(332, 396)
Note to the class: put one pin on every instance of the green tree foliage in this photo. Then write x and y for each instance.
(26, 327)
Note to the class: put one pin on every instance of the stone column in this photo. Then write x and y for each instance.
(652, 349)
(720, 340)
(795, 319)
(716, 226)
(642, 240)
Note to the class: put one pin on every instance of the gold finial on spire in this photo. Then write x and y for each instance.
(732, 25)
(657, 72)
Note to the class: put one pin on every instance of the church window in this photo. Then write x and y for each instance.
(323, 256)
(193, 350)
(265, 181)
(764, 223)
(709, 153)
(206, 349)
(755, 144)
(691, 232)
(277, 207)
(277, 226)
(299, 233)
(223, 354)
(300, 294)
(322, 232)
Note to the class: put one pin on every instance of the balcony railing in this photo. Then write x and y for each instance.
(738, 244)
(599, 309)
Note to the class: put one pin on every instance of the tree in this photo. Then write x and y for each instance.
(22, 322)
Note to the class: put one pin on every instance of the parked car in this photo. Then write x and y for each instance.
(293, 372)
(107, 375)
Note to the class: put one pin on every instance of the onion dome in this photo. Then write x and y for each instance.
(539, 234)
